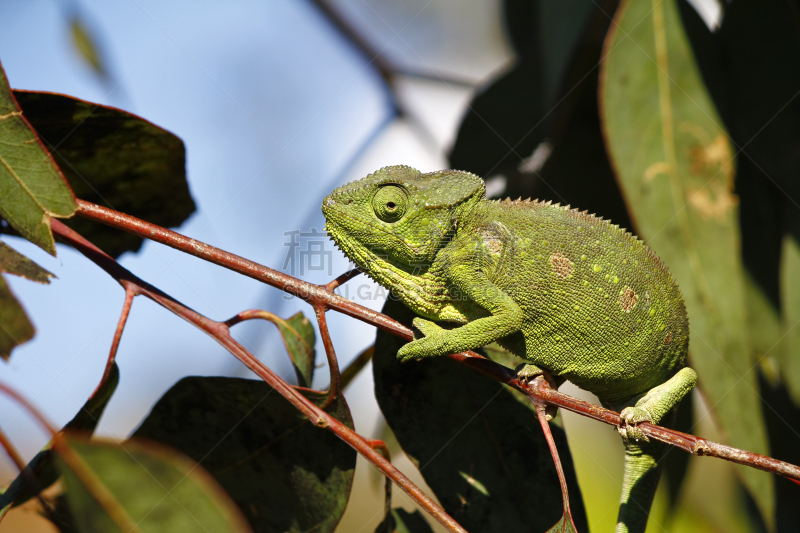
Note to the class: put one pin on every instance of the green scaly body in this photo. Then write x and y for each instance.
(566, 291)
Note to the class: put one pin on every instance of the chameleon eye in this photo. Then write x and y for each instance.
(389, 203)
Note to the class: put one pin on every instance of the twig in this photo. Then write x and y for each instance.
(320, 295)
(220, 332)
(383, 449)
(330, 353)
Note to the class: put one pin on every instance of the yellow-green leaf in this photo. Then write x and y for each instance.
(15, 326)
(32, 188)
(13, 262)
(674, 163)
(157, 488)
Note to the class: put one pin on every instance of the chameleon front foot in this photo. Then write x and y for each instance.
(527, 371)
(432, 344)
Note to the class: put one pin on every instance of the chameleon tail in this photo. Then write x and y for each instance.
(639, 485)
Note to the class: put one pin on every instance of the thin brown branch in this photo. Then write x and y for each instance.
(130, 293)
(541, 413)
(319, 294)
(330, 353)
(343, 278)
(220, 332)
(383, 449)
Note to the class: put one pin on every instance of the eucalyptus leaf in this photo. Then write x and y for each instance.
(13, 262)
(674, 163)
(15, 326)
(285, 474)
(481, 452)
(112, 158)
(401, 521)
(159, 490)
(32, 189)
(42, 467)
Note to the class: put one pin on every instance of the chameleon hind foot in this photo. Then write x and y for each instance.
(655, 404)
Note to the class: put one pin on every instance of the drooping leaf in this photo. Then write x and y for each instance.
(112, 158)
(32, 188)
(675, 165)
(481, 452)
(401, 521)
(300, 341)
(282, 471)
(159, 490)
(42, 467)
(15, 326)
(13, 262)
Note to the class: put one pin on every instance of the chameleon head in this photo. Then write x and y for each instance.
(398, 214)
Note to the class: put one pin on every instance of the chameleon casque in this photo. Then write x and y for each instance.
(568, 292)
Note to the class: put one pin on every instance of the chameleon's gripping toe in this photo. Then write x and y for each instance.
(655, 404)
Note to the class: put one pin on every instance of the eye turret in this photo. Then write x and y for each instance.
(390, 203)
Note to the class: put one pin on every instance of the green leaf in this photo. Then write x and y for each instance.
(282, 471)
(481, 452)
(790, 297)
(13, 262)
(115, 159)
(32, 188)
(299, 338)
(674, 163)
(86, 46)
(15, 326)
(562, 526)
(401, 521)
(42, 466)
(159, 489)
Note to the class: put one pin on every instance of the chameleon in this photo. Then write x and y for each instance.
(574, 296)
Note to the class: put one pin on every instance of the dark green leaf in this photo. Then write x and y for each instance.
(401, 521)
(13, 262)
(15, 326)
(503, 124)
(115, 159)
(299, 338)
(159, 489)
(283, 472)
(481, 451)
(32, 188)
(42, 466)
(674, 163)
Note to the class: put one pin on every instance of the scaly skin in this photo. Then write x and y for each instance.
(566, 291)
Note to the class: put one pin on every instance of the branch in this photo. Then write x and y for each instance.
(220, 332)
(321, 296)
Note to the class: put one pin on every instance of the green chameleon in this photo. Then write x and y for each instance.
(569, 293)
